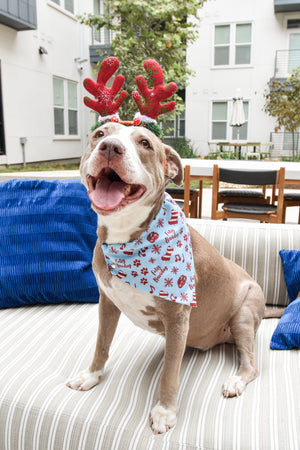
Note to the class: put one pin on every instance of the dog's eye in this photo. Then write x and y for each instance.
(99, 134)
(145, 143)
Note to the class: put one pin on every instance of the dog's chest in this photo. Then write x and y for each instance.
(137, 305)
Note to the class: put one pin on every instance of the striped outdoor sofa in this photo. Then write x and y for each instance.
(42, 346)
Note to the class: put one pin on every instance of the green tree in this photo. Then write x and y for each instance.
(283, 103)
(144, 29)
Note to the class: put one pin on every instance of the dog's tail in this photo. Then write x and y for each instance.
(273, 313)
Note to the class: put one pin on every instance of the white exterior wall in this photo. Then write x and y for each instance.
(27, 83)
(269, 33)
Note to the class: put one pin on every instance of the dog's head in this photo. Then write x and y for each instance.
(126, 166)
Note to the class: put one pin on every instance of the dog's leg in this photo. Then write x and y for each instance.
(108, 320)
(163, 415)
(243, 329)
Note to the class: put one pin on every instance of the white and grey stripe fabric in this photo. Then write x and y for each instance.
(42, 346)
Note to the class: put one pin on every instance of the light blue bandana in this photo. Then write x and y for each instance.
(160, 261)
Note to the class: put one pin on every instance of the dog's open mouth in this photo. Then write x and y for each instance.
(109, 192)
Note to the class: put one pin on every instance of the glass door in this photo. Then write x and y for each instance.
(294, 52)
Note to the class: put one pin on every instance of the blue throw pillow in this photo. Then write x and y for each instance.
(291, 270)
(287, 332)
(47, 238)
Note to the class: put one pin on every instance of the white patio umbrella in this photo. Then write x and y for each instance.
(238, 114)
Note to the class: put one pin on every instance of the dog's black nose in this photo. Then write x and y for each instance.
(111, 147)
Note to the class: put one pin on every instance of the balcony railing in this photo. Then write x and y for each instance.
(283, 145)
(101, 40)
(285, 62)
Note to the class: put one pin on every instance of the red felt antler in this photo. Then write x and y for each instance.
(105, 104)
(152, 107)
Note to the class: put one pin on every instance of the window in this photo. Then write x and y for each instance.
(219, 120)
(293, 23)
(222, 45)
(232, 44)
(65, 107)
(104, 35)
(294, 52)
(243, 43)
(177, 126)
(68, 5)
(221, 129)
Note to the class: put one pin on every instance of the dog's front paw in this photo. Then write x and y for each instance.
(85, 380)
(162, 419)
(233, 387)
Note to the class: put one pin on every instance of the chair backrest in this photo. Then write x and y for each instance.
(250, 177)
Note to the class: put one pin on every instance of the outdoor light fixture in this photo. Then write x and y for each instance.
(42, 51)
(80, 62)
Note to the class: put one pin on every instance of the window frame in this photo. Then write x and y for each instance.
(60, 5)
(232, 45)
(175, 123)
(102, 36)
(65, 108)
(229, 129)
(218, 121)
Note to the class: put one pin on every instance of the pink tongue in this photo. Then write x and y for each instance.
(108, 194)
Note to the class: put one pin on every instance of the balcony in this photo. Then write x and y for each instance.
(286, 6)
(99, 51)
(100, 47)
(285, 62)
(18, 14)
(283, 145)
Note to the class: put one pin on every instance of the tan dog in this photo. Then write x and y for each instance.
(230, 303)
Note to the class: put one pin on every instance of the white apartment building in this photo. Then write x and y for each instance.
(44, 57)
(242, 44)
(45, 54)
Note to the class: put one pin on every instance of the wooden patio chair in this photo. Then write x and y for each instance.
(291, 199)
(177, 193)
(248, 208)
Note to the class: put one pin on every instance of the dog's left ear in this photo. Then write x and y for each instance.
(173, 165)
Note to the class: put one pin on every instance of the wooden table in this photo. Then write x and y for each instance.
(237, 146)
(202, 169)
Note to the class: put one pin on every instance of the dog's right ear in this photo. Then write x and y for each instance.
(173, 166)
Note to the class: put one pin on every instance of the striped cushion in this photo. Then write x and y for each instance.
(41, 346)
(255, 247)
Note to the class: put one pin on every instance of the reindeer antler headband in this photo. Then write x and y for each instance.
(150, 107)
